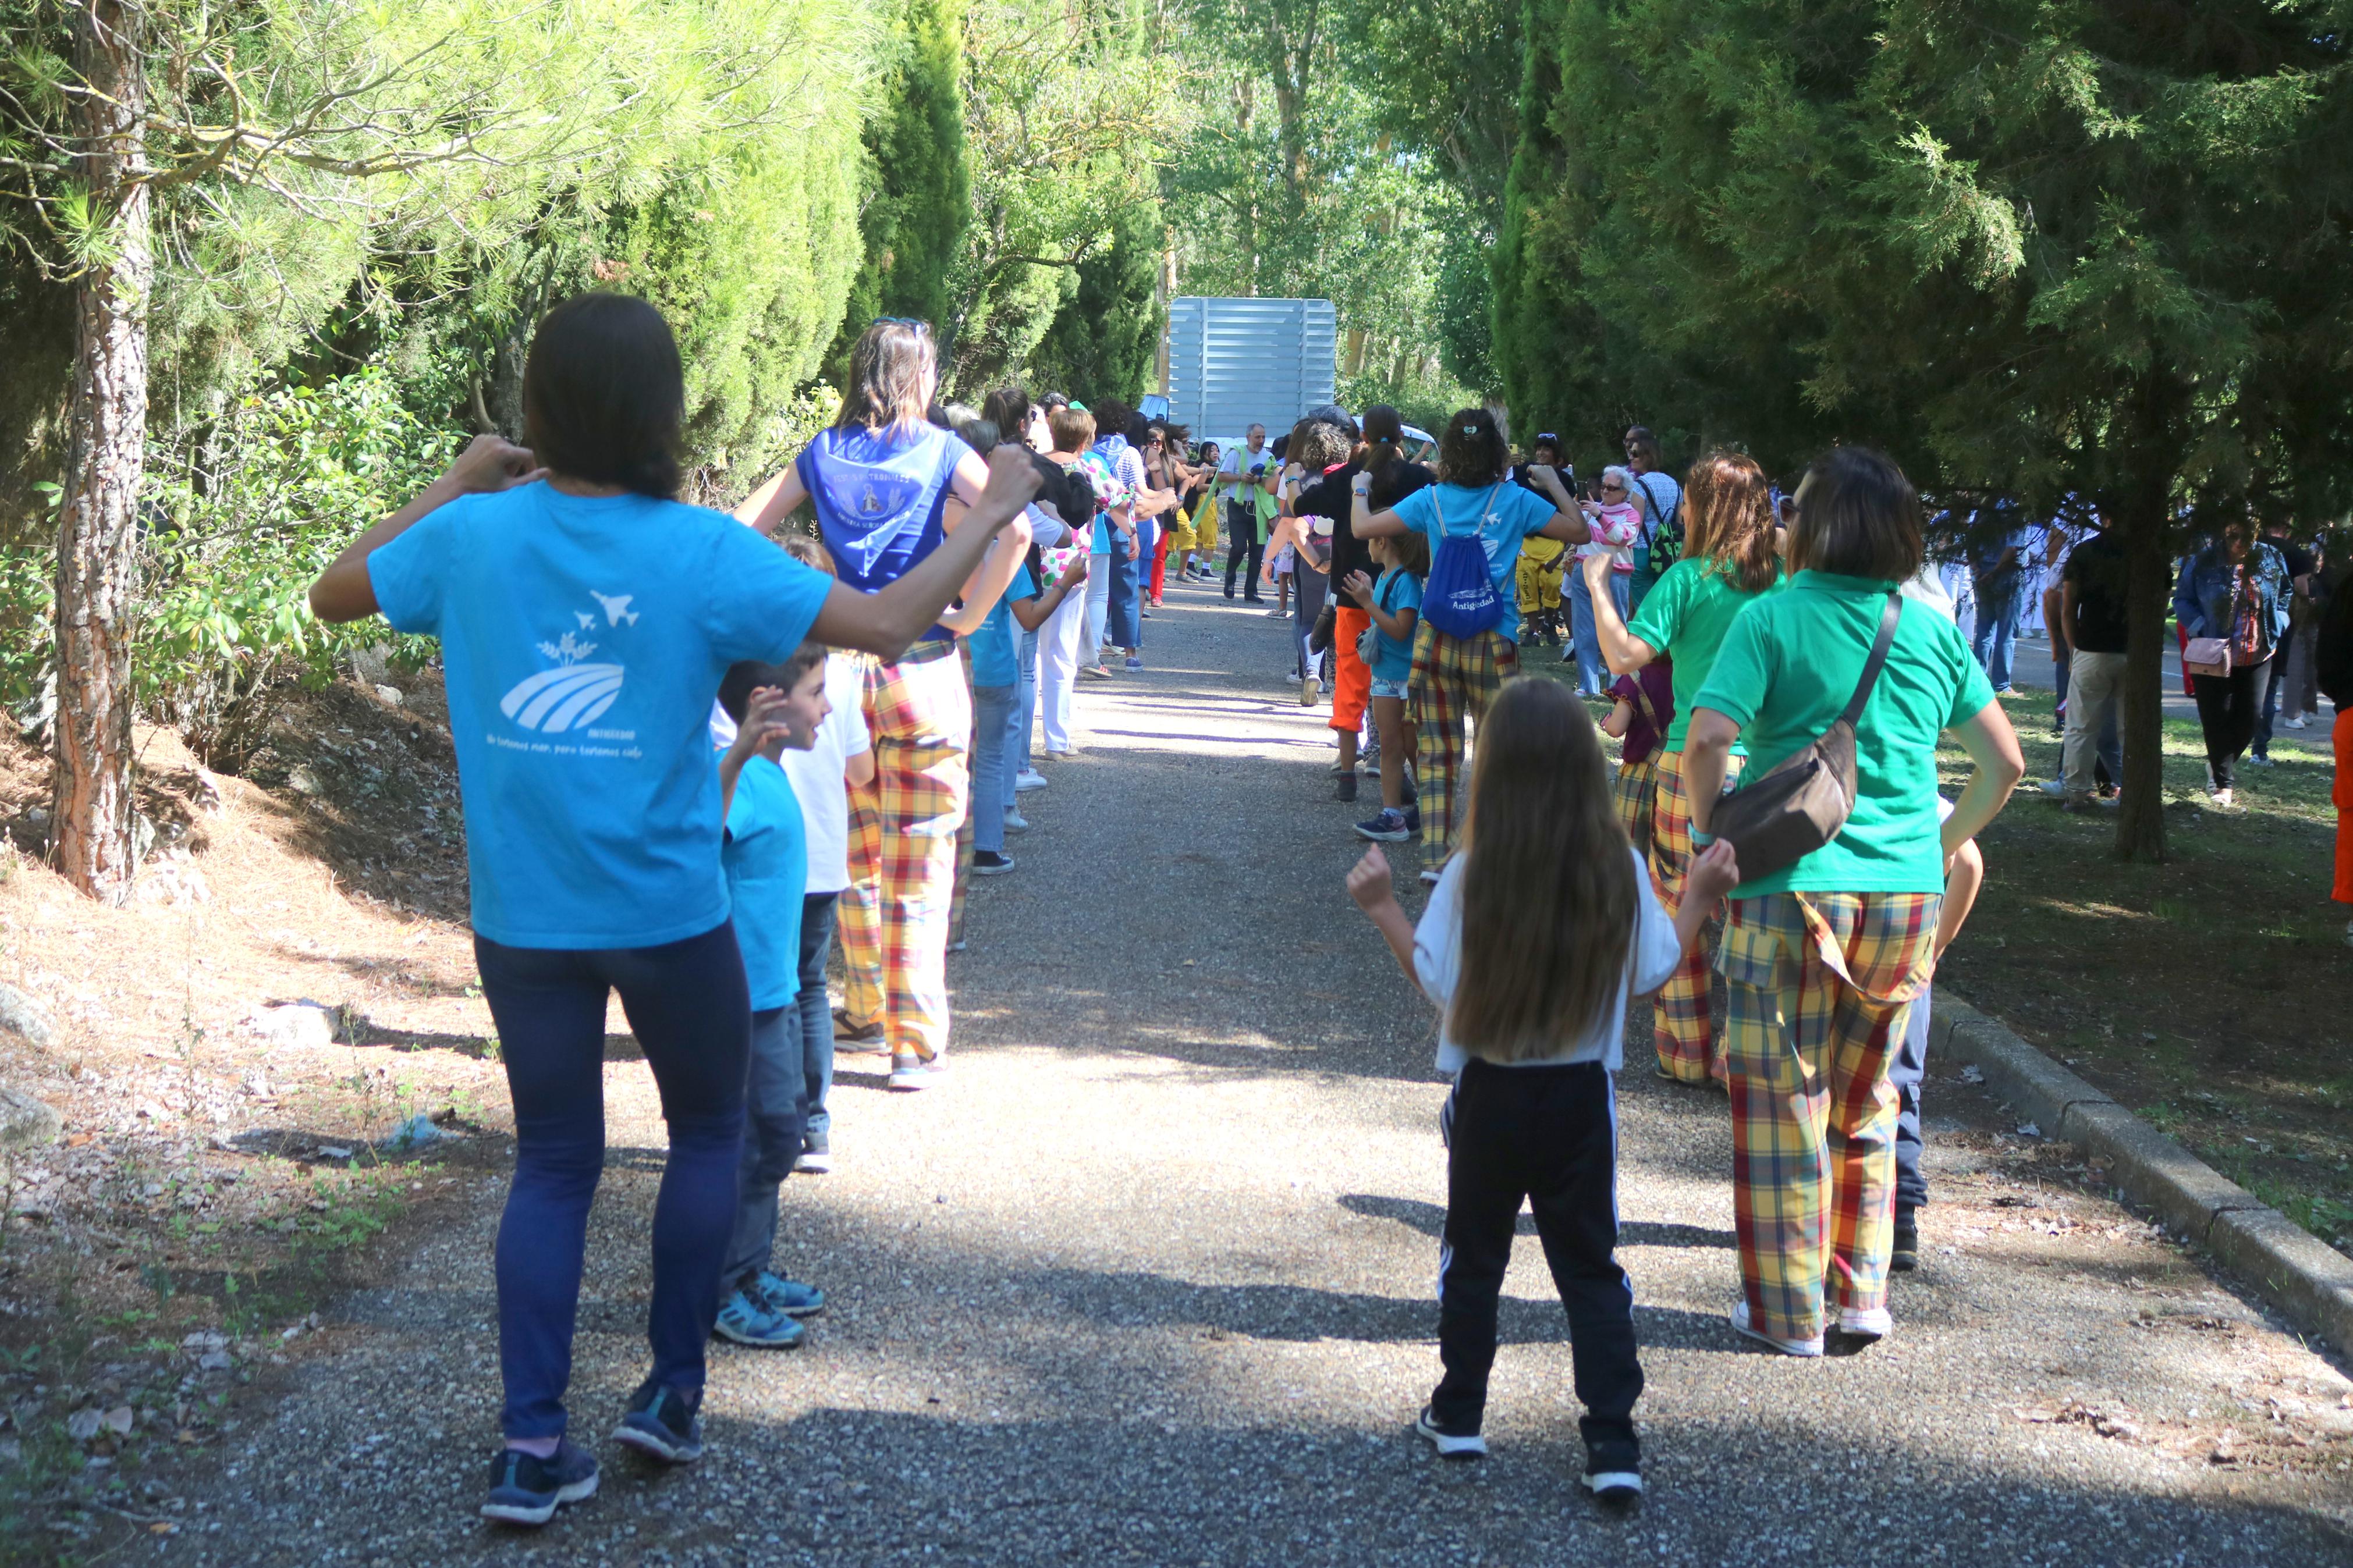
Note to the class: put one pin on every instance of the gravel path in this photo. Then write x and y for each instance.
(1150, 1282)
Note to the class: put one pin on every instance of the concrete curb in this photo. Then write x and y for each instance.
(2292, 1269)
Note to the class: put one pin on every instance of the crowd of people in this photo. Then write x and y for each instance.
(702, 757)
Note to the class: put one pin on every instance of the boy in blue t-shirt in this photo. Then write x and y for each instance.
(765, 854)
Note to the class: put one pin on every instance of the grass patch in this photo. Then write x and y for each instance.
(2201, 992)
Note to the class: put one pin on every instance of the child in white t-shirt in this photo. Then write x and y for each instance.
(822, 777)
(1537, 933)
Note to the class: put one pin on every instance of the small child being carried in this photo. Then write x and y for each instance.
(1537, 933)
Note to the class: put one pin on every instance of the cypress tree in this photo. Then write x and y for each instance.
(921, 199)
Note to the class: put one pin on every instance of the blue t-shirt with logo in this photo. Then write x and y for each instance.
(1399, 590)
(1503, 514)
(995, 644)
(765, 856)
(583, 639)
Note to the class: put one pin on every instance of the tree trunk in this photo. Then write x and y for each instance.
(2149, 588)
(105, 437)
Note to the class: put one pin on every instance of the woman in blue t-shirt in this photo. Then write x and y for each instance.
(888, 487)
(586, 620)
(1460, 658)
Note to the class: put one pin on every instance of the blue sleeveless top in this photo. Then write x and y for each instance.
(879, 496)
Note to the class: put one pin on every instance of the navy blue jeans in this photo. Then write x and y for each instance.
(776, 1111)
(816, 1015)
(691, 1010)
(1905, 1071)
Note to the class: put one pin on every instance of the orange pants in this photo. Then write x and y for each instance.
(1352, 677)
(2343, 737)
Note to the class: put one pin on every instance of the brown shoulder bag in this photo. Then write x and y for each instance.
(1777, 818)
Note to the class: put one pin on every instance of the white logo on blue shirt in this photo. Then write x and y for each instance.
(575, 692)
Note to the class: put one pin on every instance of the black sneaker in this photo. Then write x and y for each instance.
(990, 863)
(661, 1422)
(1344, 787)
(846, 1032)
(527, 1489)
(816, 1155)
(1613, 1470)
(1449, 1445)
(1905, 1257)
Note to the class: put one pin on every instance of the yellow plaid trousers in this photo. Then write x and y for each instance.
(1820, 985)
(1453, 679)
(1683, 1026)
(903, 849)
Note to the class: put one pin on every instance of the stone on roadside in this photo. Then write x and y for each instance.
(20, 1014)
(26, 1122)
(389, 695)
(295, 1024)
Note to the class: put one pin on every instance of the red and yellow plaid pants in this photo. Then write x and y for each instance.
(1682, 1028)
(903, 849)
(1453, 679)
(1820, 985)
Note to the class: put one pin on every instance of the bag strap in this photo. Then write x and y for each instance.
(1870, 667)
(1651, 520)
(1649, 714)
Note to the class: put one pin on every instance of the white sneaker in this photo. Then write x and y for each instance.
(1030, 778)
(1449, 1445)
(2295, 723)
(1015, 822)
(1810, 1347)
(1857, 1323)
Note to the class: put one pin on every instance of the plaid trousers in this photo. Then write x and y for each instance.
(1453, 679)
(893, 917)
(1631, 788)
(1820, 985)
(1683, 1032)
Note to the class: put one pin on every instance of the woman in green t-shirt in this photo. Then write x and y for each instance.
(1822, 958)
(1730, 557)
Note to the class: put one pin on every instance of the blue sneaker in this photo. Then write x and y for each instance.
(660, 1422)
(1389, 827)
(527, 1489)
(753, 1323)
(790, 1297)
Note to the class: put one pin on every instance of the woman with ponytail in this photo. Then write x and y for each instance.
(1467, 640)
(890, 488)
(1730, 560)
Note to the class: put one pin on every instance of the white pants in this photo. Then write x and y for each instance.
(1058, 668)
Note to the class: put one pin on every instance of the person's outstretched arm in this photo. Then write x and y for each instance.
(887, 622)
(1624, 652)
(1369, 885)
(1567, 522)
(489, 464)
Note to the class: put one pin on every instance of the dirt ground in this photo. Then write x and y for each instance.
(217, 1181)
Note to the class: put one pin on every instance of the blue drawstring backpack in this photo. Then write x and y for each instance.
(1460, 598)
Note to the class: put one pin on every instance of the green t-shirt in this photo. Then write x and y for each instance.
(1785, 673)
(1684, 616)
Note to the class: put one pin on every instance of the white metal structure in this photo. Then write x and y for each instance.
(1233, 363)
